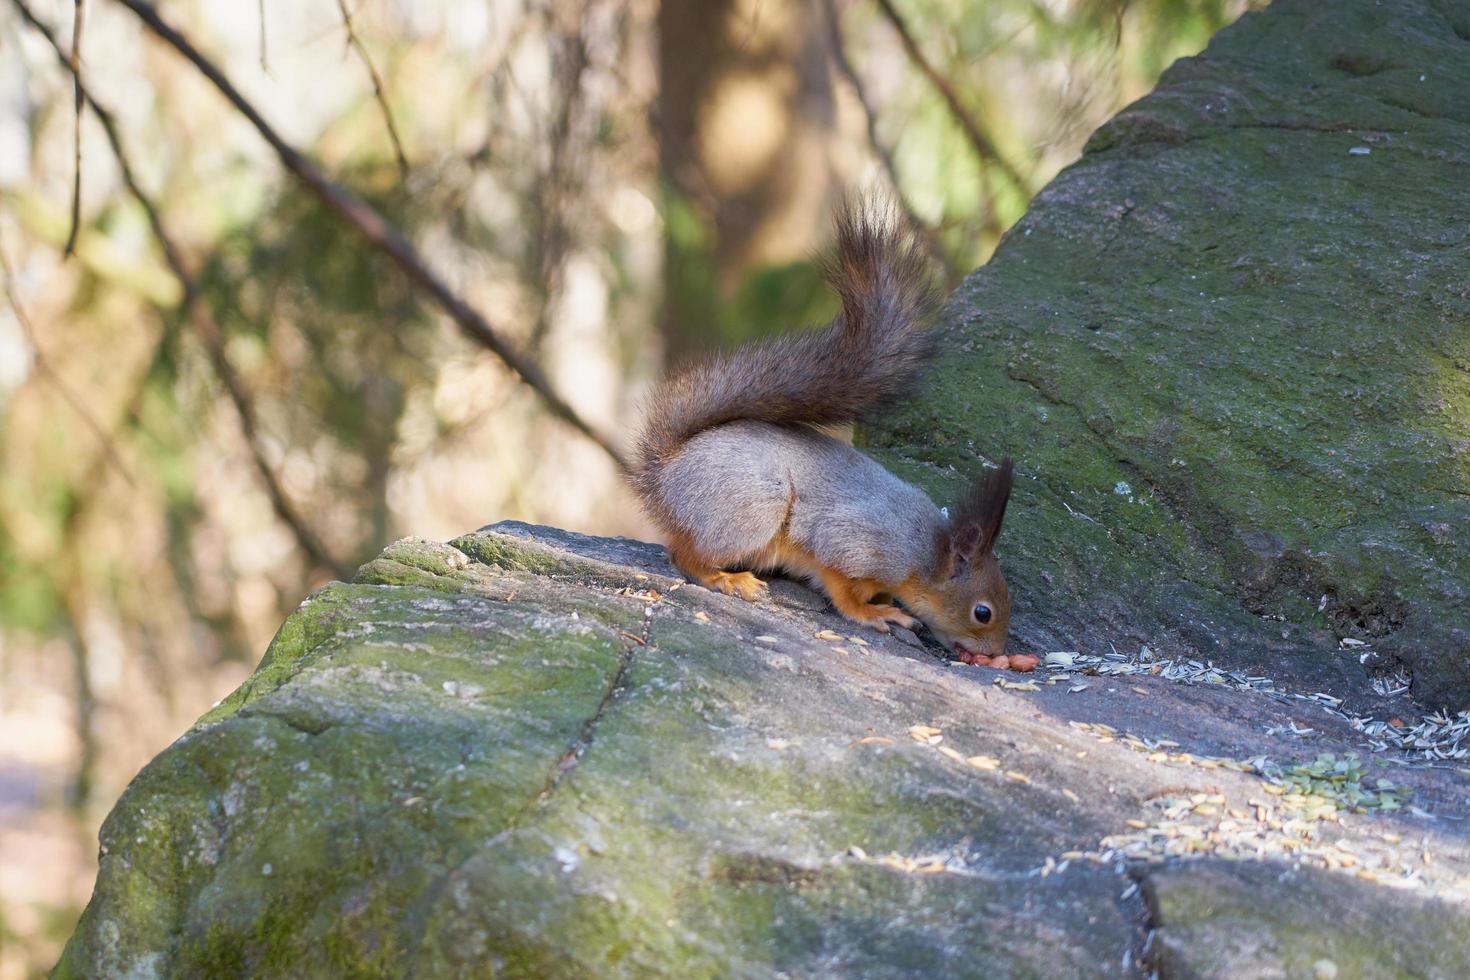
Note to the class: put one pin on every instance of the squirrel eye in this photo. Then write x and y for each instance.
(981, 612)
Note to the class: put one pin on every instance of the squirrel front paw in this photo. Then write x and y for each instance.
(743, 584)
(881, 616)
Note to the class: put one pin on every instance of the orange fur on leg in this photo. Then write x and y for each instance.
(694, 565)
(853, 598)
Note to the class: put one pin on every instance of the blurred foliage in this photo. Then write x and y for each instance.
(330, 339)
(769, 298)
(1035, 77)
(547, 184)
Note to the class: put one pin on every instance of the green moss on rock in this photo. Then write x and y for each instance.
(1229, 351)
(592, 780)
(1213, 924)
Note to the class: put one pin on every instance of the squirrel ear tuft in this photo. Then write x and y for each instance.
(977, 521)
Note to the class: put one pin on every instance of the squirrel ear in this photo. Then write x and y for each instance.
(977, 521)
(965, 541)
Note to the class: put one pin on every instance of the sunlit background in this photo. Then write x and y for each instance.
(611, 183)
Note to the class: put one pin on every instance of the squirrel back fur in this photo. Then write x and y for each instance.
(871, 354)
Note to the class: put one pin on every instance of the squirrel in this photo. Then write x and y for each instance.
(734, 467)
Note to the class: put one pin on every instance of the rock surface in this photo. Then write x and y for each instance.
(539, 754)
(1230, 351)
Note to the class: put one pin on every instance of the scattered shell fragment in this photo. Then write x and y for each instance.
(925, 734)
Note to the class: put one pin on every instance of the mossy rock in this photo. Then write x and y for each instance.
(539, 754)
(1230, 351)
(1327, 928)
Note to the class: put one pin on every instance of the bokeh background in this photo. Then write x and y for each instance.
(613, 184)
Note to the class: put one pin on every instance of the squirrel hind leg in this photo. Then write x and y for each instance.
(743, 584)
(696, 566)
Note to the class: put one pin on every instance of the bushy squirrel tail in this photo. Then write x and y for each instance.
(871, 354)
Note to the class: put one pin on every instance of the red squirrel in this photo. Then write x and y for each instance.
(733, 467)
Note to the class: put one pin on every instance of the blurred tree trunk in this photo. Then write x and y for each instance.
(746, 116)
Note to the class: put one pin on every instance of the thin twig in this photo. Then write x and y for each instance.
(838, 52)
(46, 370)
(982, 143)
(79, 793)
(378, 91)
(79, 15)
(380, 233)
(204, 325)
(265, 61)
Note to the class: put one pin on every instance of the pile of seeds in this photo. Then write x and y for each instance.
(1182, 671)
(1436, 738)
(1162, 750)
(1204, 825)
(1333, 782)
(1315, 791)
(1299, 819)
(924, 864)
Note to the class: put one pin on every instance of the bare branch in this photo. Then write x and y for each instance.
(555, 188)
(380, 233)
(838, 51)
(378, 92)
(982, 143)
(46, 370)
(204, 325)
(79, 13)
